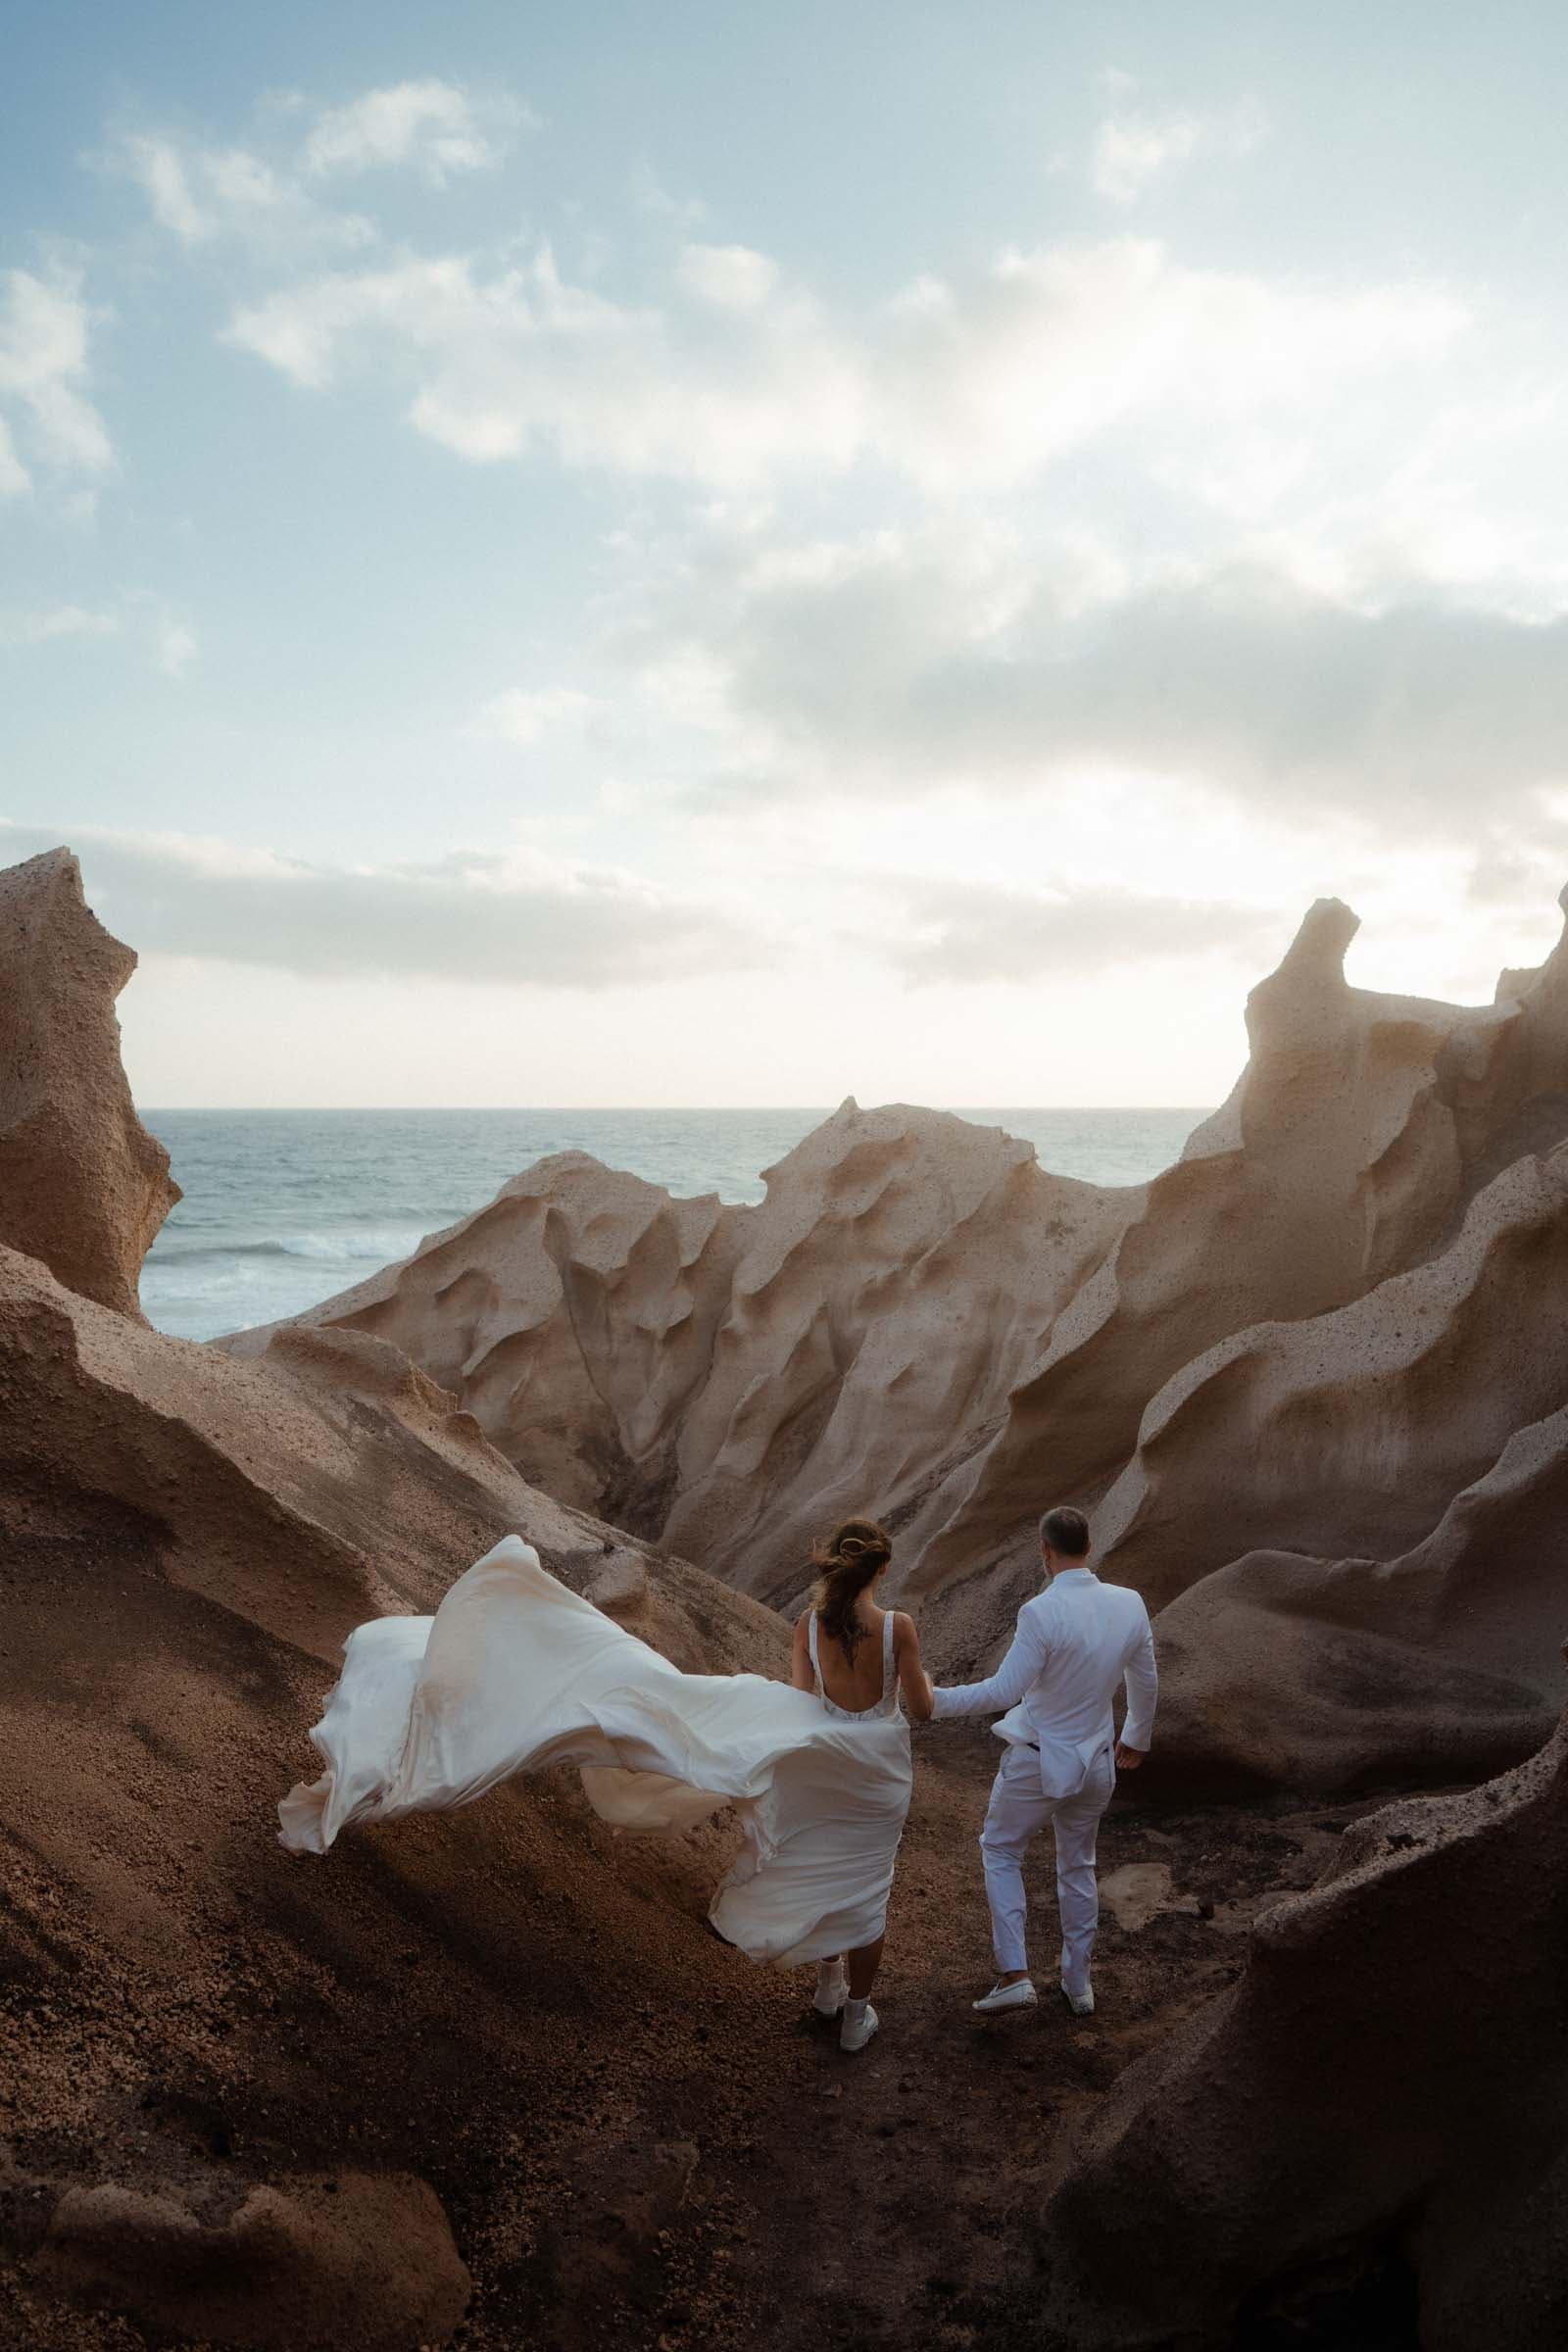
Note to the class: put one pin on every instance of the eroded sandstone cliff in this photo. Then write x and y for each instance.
(490, 2063)
(83, 1185)
(1309, 1336)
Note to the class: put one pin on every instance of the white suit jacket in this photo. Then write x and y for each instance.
(1075, 1642)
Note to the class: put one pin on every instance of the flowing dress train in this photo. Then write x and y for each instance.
(514, 1672)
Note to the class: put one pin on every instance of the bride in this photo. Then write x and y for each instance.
(514, 1671)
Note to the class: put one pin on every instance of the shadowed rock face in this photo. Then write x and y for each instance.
(1355, 1428)
(184, 1543)
(286, 2078)
(83, 1185)
(361, 2262)
(327, 1482)
(1388, 2077)
(1285, 1669)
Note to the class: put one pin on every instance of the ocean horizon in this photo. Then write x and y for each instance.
(282, 1208)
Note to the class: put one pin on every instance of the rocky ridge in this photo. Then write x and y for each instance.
(485, 2078)
(1310, 1336)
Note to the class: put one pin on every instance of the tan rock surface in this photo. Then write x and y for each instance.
(919, 1322)
(1438, 1665)
(1338, 1158)
(1354, 1430)
(321, 1484)
(730, 1379)
(83, 1185)
(1384, 2090)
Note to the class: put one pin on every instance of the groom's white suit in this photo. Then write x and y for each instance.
(1075, 1642)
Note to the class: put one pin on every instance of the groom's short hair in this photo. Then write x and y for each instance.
(1066, 1531)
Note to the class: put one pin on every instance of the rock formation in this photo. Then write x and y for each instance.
(1310, 1334)
(325, 1483)
(362, 2262)
(240, 2098)
(1341, 1156)
(83, 1185)
(476, 2065)
(189, 2018)
(1353, 1430)
(1385, 2088)
(1281, 1669)
(729, 1379)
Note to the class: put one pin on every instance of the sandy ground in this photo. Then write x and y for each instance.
(642, 2141)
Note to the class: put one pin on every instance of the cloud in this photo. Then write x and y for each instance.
(520, 920)
(978, 385)
(177, 648)
(522, 719)
(207, 196)
(966, 932)
(1132, 150)
(161, 170)
(19, 628)
(44, 333)
(732, 277)
(169, 643)
(433, 127)
(494, 366)
(905, 663)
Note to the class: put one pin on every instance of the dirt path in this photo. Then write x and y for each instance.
(891, 2198)
(643, 2144)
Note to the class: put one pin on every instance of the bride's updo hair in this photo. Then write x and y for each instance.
(853, 1555)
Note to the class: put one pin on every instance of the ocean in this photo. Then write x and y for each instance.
(285, 1208)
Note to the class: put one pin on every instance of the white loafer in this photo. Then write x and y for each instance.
(1082, 2004)
(832, 1990)
(856, 2031)
(1021, 1995)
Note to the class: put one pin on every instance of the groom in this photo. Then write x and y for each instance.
(1075, 1642)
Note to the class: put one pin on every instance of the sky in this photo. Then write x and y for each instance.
(631, 554)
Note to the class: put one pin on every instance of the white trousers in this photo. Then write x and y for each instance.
(1020, 1807)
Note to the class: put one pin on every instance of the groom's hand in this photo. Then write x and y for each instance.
(1128, 1758)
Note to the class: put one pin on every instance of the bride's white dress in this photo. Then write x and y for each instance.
(514, 1672)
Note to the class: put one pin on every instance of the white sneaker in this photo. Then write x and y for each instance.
(832, 1989)
(1082, 2004)
(859, 2023)
(1021, 1995)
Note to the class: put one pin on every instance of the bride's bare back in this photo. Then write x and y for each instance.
(855, 1683)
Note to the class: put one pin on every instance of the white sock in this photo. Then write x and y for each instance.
(857, 2006)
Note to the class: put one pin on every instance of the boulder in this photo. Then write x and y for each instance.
(359, 2260)
(1382, 2096)
(83, 1185)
